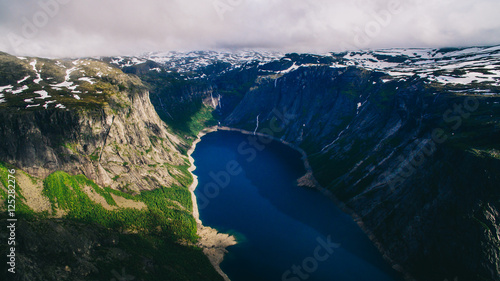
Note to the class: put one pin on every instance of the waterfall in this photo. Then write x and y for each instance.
(213, 101)
(257, 127)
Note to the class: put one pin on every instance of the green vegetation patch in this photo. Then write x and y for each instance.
(162, 216)
(71, 250)
(180, 174)
(20, 206)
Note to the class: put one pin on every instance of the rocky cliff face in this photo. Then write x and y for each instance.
(119, 143)
(101, 181)
(101, 144)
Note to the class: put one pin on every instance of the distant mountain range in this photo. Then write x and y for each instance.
(447, 66)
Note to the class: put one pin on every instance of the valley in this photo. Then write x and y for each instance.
(405, 141)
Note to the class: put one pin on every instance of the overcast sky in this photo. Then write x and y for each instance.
(74, 28)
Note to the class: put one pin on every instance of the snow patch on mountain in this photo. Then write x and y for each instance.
(24, 79)
(195, 60)
(6, 88)
(38, 75)
(444, 66)
(86, 79)
(43, 94)
(460, 66)
(20, 90)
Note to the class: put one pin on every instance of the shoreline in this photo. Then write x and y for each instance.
(212, 242)
(307, 181)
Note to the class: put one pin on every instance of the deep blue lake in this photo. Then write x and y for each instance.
(284, 232)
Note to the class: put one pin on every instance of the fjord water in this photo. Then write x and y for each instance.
(284, 232)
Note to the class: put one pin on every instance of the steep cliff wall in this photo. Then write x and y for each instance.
(123, 143)
(101, 183)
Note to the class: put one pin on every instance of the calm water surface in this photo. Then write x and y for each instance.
(284, 232)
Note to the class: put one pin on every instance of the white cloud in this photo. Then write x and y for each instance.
(114, 27)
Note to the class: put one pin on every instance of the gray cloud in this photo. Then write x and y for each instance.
(56, 28)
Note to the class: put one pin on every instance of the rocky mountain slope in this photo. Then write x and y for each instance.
(405, 139)
(101, 181)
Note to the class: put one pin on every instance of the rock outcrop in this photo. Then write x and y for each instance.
(116, 146)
